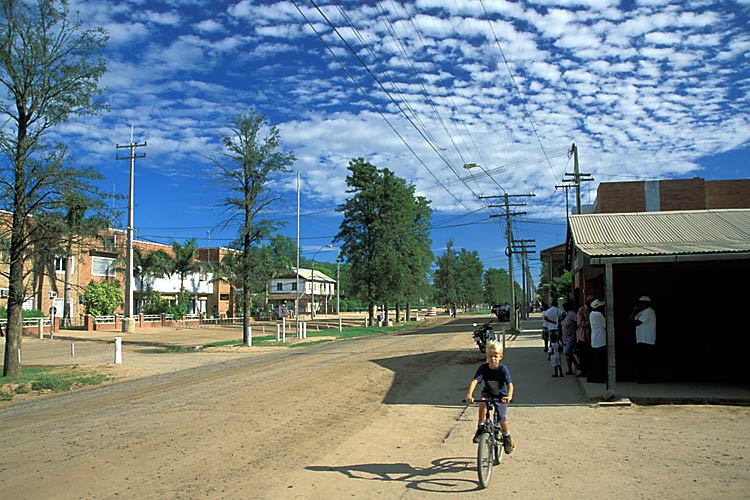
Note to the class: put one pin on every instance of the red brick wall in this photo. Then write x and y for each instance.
(728, 194)
(682, 194)
(615, 197)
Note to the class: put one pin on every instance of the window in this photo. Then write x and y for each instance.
(102, 266)
(294, 287)
(279, 287)
(60, 261)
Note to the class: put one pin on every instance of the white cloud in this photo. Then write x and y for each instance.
(209, 26)
(637, 89)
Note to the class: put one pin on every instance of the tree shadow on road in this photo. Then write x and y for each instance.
(445, 475)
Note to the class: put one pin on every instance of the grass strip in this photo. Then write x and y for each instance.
(346, 333)
(49, 379)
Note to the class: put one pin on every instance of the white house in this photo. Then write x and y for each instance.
(315, 291)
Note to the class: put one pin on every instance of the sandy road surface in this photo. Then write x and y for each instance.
(371, 418)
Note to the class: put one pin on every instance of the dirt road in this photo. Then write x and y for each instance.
(370, 418)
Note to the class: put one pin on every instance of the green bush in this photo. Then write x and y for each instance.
(179, 307)
(102, 299)
(33, 313)
(154, 303)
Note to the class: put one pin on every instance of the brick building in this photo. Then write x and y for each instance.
(103, 259)
(672, 194)
(680, 242)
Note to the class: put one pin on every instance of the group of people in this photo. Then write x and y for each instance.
(579, 337)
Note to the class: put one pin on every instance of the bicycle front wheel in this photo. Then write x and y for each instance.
(485, 459)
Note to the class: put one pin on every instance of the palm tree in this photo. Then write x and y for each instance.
(149, 266)
(184, 259)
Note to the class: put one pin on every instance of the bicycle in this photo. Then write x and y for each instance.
(490, 449)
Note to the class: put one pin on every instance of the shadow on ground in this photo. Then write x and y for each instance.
(440, 476)
(442, 377)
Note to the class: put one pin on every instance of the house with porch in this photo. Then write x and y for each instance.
(316, 292)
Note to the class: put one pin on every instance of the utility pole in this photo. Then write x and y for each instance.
(524, 246)
(577, 177)
(509, 248)
(566, 187)
(128, 323)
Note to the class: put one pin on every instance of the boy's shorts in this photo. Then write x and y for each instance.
(500, 408)
(568, 348)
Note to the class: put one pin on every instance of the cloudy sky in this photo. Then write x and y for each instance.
(645, 89)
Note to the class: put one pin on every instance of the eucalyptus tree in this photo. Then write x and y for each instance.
(446, 276)
(50, 67)
(470, 270)
(250, 162)
(496, 286)
(384, 236)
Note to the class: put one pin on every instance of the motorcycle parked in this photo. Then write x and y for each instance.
(483, 334)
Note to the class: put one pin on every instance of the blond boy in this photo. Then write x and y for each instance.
(498, 387)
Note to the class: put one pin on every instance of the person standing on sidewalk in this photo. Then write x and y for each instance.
(583, 337)
(598, 371)
(552, 318)
(568, 326)
(643, 317)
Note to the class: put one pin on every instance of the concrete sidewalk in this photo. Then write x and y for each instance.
(657, 393)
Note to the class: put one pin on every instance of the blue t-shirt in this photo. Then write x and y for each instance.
(495, 381)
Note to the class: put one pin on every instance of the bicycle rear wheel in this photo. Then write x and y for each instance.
(485, 459)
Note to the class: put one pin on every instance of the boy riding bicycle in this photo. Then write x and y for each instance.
(498, 386)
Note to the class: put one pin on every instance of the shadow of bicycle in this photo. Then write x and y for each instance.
(443, 475)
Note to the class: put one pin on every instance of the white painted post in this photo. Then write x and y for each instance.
(417, 315)
(283, 325)
(249, 336)
(317, 329)
(339, 325)
(366, 319)
(72, 350)
(19, 356)
(278, 332)
(303, 330)
(283, 335)
(40, 328)
(118, 350)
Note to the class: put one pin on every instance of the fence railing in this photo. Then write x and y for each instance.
(105, 320)
(27, 322)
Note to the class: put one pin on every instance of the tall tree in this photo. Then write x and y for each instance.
(250, 162)
(446, 277)
(384, 227)
(470, 269)
(496, 286)
(50, 71)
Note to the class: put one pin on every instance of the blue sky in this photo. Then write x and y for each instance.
(646, 89)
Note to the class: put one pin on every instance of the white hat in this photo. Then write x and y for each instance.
(645, 298)
(597, 304)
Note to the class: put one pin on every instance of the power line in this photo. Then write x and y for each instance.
(367, 96)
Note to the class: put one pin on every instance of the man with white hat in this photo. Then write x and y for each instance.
(644, 319)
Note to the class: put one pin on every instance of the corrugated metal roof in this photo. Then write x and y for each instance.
(662, 233)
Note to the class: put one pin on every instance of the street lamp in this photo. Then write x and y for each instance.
(312, 302)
